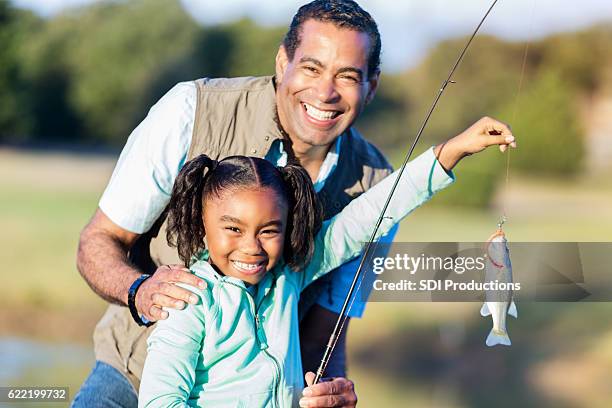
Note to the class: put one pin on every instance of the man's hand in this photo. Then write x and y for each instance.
(486, 132)
(160, 291)
(338, 392)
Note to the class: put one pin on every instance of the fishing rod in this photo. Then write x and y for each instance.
(333, 339)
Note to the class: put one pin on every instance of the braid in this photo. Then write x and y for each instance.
(185, 226)
(304, 217)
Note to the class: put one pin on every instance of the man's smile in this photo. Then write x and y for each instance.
(320, 117)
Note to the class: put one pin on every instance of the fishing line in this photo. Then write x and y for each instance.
(514, 113)
(333, 339)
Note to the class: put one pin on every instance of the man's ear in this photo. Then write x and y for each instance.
(281, 63)
(373, 86)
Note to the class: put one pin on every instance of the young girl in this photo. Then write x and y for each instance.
(265, 242)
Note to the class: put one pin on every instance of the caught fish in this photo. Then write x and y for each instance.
(498, 304)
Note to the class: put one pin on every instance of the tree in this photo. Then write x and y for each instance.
(548, 128)
(15, 118)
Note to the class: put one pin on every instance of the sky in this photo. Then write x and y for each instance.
(408, 27)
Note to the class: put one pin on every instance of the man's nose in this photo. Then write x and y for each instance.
(326, 89)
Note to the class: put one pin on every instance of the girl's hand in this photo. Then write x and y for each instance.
(338, 392)
(486, 132)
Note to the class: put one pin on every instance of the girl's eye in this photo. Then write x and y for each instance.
(233, 229)
(270, 232)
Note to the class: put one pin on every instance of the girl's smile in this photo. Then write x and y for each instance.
(248, 268)
(245, 231)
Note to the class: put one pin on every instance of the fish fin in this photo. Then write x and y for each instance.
(484, 310)
(498, 337)
(512, 310)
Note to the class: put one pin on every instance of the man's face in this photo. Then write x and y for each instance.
(322, 91)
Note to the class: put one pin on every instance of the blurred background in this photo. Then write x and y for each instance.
(77, 76)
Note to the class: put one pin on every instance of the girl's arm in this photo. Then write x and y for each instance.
(342, 237)
(174, 349)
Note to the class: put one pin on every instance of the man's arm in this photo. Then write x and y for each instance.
(102, 258)
(103, 262)
(135, 196)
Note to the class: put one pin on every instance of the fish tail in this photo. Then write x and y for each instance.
(512, 310)
(484, 310)
(498, 337)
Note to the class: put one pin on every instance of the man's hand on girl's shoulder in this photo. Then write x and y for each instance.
(160, 291)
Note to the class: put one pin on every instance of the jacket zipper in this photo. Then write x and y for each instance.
(274, 362)
(259, 334)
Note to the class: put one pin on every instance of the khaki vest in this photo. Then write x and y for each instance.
(234, 116)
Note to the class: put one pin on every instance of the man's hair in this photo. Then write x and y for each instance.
(343, 14)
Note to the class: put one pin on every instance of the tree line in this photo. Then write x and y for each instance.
(90, 74)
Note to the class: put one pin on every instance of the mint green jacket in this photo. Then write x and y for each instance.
(237, 349)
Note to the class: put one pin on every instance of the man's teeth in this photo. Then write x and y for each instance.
(246, 266)
(319, 114)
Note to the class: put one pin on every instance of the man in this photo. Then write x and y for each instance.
(327, 70)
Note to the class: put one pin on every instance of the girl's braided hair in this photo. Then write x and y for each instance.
(203, 178)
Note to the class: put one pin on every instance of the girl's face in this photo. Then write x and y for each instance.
(245, 232)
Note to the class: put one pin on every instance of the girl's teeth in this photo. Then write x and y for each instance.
(246, 266)
(319, 114)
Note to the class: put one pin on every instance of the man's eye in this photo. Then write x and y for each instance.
(310, 69)
(349, 79)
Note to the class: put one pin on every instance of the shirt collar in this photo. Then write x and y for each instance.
(278, 155)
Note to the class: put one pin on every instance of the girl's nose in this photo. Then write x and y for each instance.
(251, 246)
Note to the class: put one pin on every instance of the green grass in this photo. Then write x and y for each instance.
(42, 229)
(437, 224)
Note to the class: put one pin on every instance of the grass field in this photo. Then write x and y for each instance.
(401, 354)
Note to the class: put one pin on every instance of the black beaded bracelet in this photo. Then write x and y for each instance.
(140, 320)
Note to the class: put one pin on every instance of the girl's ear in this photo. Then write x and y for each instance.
(304, 216)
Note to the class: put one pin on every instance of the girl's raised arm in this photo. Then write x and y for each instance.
(342, 237)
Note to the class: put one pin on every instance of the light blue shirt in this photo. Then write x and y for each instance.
(278, 156)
